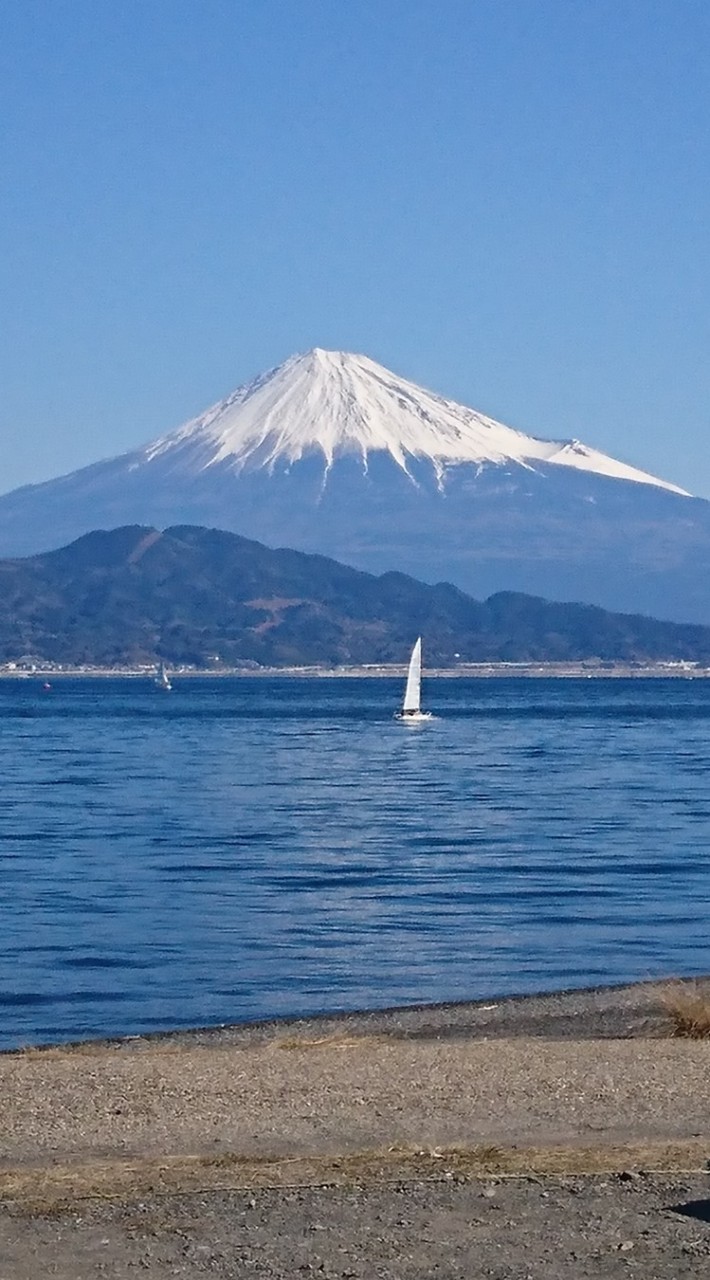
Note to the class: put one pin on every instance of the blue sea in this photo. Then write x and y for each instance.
(253, 847)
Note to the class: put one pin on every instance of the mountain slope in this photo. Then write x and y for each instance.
(135, 594)
(335, 404)
(333, 453)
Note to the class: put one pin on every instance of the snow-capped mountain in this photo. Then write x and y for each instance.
(333, 403)
(331, 452)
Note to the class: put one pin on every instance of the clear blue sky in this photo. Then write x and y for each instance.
(506, 200)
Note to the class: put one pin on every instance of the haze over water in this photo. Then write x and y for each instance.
(242, 848)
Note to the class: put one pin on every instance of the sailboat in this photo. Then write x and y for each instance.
(162, 680)
(412, 705)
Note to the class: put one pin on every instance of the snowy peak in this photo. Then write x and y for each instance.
(336, 403)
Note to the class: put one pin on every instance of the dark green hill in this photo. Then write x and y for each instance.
(134, 595)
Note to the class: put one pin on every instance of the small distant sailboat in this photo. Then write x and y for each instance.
(412, 705)
(162, 680)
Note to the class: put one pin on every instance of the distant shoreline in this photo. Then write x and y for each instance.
(479, 670)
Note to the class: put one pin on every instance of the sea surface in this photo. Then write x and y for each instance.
(247, 848)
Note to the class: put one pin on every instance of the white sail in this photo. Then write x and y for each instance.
(162, 680)
(412, 694)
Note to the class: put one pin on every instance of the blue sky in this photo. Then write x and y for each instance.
(505, 200)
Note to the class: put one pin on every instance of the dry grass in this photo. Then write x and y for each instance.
(52, 1052)
(687, 1006)
(109, 1049)
(334, 1041)
(58, 1188)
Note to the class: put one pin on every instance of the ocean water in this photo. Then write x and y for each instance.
(247, 848)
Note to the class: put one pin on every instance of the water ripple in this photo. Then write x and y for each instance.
(247, 848)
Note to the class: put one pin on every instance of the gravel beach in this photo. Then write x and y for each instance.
(562, 1135)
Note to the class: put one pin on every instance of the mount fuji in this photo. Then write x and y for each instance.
(332, 453)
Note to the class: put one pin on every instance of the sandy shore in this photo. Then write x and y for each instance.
(321, 1137)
